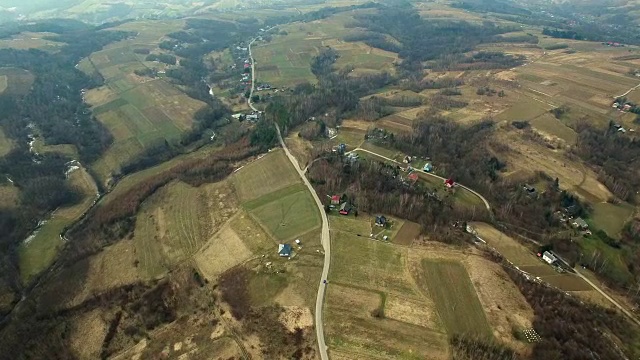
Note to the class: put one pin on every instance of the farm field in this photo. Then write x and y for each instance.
(177, 220)
(17, 81)
(270, 173)
(351, 329)
(611, 218)
(30, 40)
(550, 126)
(40, 250)
(139, 112)
(286, 60)
(376, 265)
(288, 216)
(526, 260)
(458, 306)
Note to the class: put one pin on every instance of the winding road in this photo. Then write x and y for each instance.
(325, 239)
(486, 203)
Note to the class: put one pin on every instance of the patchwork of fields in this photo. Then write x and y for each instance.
(139, 112)
(389, 301)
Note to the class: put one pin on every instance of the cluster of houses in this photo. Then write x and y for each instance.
(252, 116)
(566, 216)
(613, 44)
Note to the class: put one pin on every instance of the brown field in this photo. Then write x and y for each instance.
(504, 306)
(548, 125)
(515, 252)
(529, 156)
(300, 148)
(268, 174)
(407, 233)
(222, 252)
(87, 334)
(176, 221)
(567, 282)
(9, 195)
(351, 329)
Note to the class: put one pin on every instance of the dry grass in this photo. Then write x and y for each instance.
(177, 221)
(351, 329)
(411, 311)
(222, 252)
(515, 252)
(270, 173)
(377, 265)
(87, 334)
(407, 233)
(503, 304)
(9, 196)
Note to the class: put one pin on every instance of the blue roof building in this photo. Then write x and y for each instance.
(284, 250)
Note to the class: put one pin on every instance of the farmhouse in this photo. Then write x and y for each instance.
(284, 250)
(381, 220)
(549, 257)
(427, 167)
(579, 223)
(335, 200)
(345, 208)
(449, 183)
(413, 177)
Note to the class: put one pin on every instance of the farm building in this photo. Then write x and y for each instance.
(579, 223)
(345, 208)
(381, 220)
(530, 190)
(335, 200)
(413, 177)
(549, 257)
(427, 167)
(449, 183)
(284, 250)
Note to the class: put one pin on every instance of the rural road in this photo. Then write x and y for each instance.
(326, 244)
(253, 76)
(615, 303)
(324, 239)
(486, 203)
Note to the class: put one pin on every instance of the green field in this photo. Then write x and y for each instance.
(361, 261)
(139, 112)
(270, 173)
(548, 124)
(611, 218)
(41, 250)
(455, 298)
(286, 60)
(289, 216)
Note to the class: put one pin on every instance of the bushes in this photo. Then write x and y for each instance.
(233, 286)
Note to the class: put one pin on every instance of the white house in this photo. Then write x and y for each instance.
(549, 257)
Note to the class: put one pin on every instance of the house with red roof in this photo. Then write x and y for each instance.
(449, 183)
(335, 200)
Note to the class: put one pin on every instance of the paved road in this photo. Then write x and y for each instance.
(486, 203)
(326, 244)
(325, 239)
(253, 76)
(615, 303)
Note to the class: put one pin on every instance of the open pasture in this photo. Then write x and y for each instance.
(140, 118)
(268, 174)
(402, 334)
(16, 81)
(176, 221)
(31, 40)
(360, 261)
(611, 218)
(286, 60)
(455, 298)
(548, 125)
(289, 216)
